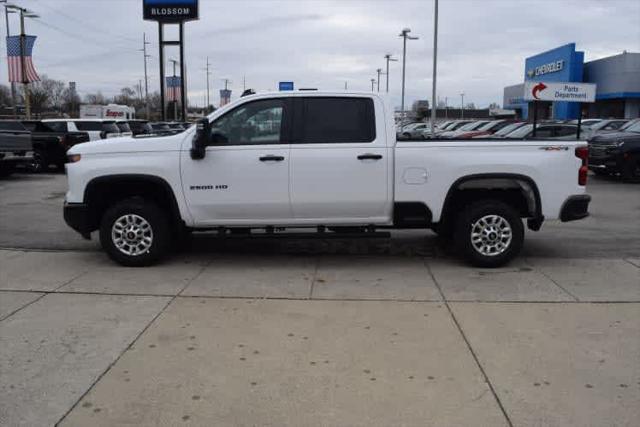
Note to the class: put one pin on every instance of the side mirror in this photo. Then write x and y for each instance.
(200, 140)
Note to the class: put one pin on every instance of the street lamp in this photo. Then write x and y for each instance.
(388, 58)
(379, 71)
(435, 64)
(405, 35)
(373, 82)
(462, 105)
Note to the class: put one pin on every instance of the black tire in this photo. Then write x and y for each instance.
(631, 170)
(488, 208)
(39, 164)
(6, 170)
(157, 221)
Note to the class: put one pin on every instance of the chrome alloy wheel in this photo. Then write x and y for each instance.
(491, 235)
(132, 235)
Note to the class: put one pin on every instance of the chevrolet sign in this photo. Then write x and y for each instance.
(552, 67)
(171, 11)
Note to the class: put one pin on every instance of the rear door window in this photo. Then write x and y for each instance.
(12, 126)
(57, 126)
(86, 126)
(337, 120)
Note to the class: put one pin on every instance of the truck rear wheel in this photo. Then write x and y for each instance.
(135, 232)
(489, 233)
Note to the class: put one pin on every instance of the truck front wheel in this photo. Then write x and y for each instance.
(489, 233)
(135, 232)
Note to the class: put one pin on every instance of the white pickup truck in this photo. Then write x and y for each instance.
(327, 161)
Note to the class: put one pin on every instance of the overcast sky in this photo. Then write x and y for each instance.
(323, 43)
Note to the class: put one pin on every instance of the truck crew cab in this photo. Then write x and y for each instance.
(325, 161)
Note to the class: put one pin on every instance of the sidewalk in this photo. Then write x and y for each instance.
(318, 340)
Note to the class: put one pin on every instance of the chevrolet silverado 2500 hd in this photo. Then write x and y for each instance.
(327, 161)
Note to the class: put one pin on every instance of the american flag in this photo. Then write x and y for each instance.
(15, 61)
(173, 88)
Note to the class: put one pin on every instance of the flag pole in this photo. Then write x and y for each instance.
(25, 79)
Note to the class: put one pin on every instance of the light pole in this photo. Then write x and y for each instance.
(405, 35)
(373, 82)
(462, 105)
(379, 71)
(435, 63)
(388, 58)
(208, 92)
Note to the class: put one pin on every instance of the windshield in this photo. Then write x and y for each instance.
(489, 125)
(508, 129)
(458, 125)
(635, 127)
(472, 125)
(629, 124)
(124, 127)
(522, 132)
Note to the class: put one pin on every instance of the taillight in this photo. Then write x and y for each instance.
(583, 154)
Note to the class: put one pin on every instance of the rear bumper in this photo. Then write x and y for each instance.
(78, 217)
(575, 207)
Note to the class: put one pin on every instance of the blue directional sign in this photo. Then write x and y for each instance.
(285, 86)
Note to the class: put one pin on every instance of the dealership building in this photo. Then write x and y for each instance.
(617, 80)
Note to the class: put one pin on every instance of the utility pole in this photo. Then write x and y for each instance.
(175, 101)
(244, 83)
(446, 108)
(379, 71)
(462, 105)
(405, 35)
(388, 58)
(373, 82)
(345, 85)
(146, 77)
(208, 74)
(435, 64)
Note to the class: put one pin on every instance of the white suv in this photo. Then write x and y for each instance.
(96, 128)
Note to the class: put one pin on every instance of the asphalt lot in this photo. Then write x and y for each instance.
(290, 332)
(31, 218)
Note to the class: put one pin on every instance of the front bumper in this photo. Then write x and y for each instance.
(575, 207)
(78, 217)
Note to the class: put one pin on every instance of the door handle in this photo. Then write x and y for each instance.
(369, 156)
(271, 158)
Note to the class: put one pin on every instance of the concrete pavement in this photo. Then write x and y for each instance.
(358, 340)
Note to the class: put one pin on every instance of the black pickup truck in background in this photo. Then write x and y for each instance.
(50, 146)
(15, 146)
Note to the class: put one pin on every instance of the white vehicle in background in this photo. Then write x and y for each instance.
(111, 111)
(332, 165)
(96, 128)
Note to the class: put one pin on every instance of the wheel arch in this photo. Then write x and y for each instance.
(101, 192)
(515, 189)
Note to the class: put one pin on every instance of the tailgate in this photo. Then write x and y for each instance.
(14, 141)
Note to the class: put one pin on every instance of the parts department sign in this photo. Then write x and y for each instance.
(567, 92)
(170, 10)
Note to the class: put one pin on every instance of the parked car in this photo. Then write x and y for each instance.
(140, 127)
(334, 162)
(485, 130)
(415, 131)
(161, 128)
(471, 126)
(16, 148)
(455, 125)
(617, 152)
(96, 128)
(500, 134)
(552, 131)
(124, 128)
(585, 123)
(50, 145)
(605, 126)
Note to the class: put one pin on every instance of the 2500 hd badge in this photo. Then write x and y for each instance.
(209, 187)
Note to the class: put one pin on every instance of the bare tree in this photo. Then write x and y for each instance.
(95, 98)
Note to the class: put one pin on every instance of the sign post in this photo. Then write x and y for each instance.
(171, 12)
(558, 91)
